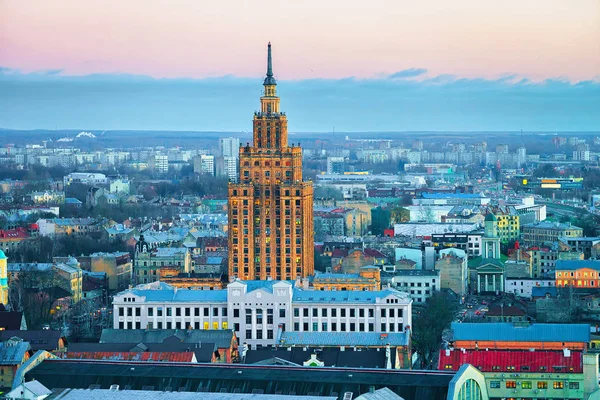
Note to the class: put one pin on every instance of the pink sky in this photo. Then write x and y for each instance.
(537, 39)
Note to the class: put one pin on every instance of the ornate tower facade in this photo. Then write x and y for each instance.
(271, 208)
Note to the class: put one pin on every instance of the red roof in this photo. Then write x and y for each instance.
(131, 356)
(339, 253)
(373, 253)
(14, 234)
(504, 361)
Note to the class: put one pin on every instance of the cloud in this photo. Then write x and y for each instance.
(408, 73)
(437, 103)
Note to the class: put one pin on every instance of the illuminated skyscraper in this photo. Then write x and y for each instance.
(271, 208)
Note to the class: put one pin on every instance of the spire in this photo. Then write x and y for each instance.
(269, 80)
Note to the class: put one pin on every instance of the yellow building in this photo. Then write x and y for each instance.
(3, 278)
(70, 278)
(368, 279)
(508, 222)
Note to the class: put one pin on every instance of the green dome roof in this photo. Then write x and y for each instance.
(2, 255)
(491, 217)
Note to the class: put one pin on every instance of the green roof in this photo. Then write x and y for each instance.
(2, 255)
(491, 217)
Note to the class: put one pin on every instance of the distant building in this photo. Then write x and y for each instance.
(159, 163)
(150, 263)
(453, 272)
(368, 279)
(421, 284)
(546, 231)
(229, 147)
(85, 178)
(204, 164)
(335, 165)
(117, 267)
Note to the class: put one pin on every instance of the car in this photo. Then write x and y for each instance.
(483, 302)
(469, 306)
(485, 309)
(477, 312)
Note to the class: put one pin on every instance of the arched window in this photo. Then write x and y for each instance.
(470, 390)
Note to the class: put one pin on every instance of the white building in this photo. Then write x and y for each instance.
(258, 310)
(229, 147)
(204, 164)
(335, 165)
(85, 178)
(523, 287)
(159, 162)
(119, 185)
(421, 284)
(227, 167)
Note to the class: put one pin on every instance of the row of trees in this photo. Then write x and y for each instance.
(43, 249)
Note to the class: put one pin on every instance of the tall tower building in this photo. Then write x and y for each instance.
(270, 208)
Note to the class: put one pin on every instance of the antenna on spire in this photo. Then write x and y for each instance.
(269, 80)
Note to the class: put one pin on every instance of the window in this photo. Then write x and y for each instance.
(315, 312)
(352, 313)
(206, 312)
(159, 311)
(323, 312)
(573, 385)
(269, 316)
(315, 326)
(511, 384)
(169, 313)
(526, 385)
(296, 326)
(334, 312)
(248, 316)
(248, 334)
(361, 313)
(188, 311)
(296, 312)
(494, 384)
(324, 327)
(343, 313)
(236, 313)
(305, 312)
(558, 384)
(151, 312)
(305, 327)
(383, 313)
(259, 334)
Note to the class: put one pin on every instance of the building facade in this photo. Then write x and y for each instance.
(578, 273)
(271, 208)
(258, 311)
(117, 267)
(546, 231)
(152, 263)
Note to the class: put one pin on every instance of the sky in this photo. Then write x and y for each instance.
(383, 65)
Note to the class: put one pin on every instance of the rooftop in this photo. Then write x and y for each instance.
(507, 332)
(573, 265)
(350, 339)
(550, 225)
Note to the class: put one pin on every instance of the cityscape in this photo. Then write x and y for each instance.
(277, 262)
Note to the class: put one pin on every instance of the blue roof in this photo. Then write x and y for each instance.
(541, 291)
(572, 265)
(2, 255)
(507, 332)
(344, 339)
(168, 294)
(12, 354)
(316, 296)
(265, 285)
(72, 200)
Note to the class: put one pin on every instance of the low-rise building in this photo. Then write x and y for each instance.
(117, 266)
(69, 226)
(523, 287)
(420, 283)
(258, 311)
(368, 278)
(11, 238)
(150, 263)
(453, 270)
(546, 231)
(13, 353)
(70, 278)
(578, 273)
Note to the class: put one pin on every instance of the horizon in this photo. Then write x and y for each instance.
(459, 66)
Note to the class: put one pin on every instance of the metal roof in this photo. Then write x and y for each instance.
(107, 394)
(573, 265)
(13, 353)
(533, 361)
(220, 337)
(333, 296)
(186, 377)
(344, 339)
(507, 332)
